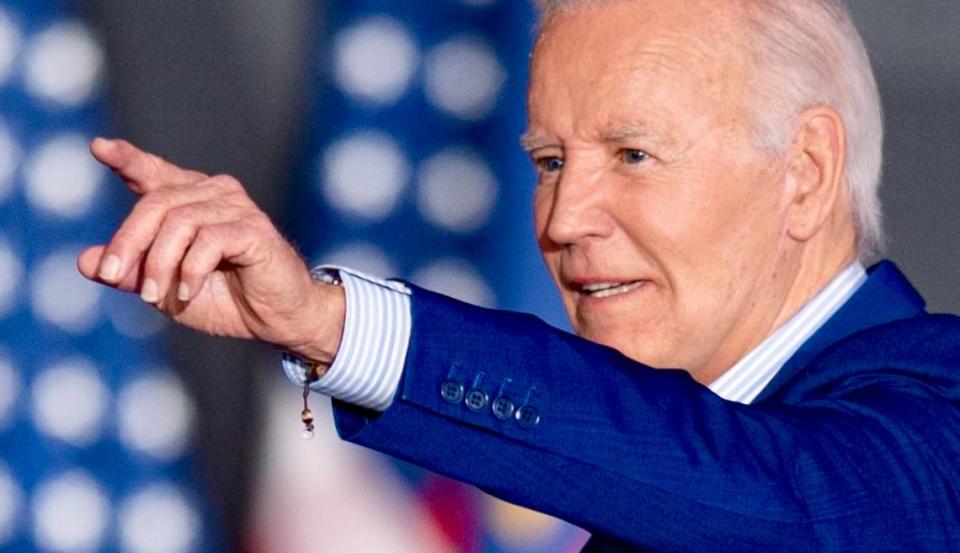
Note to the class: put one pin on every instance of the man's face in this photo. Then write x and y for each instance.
(662, 225)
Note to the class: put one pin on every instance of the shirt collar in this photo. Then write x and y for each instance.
(746, 379)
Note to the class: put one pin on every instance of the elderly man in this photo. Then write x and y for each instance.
(707, 192)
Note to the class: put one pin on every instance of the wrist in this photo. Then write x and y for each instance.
(323, 325)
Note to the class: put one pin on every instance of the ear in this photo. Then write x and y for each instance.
(816, 171)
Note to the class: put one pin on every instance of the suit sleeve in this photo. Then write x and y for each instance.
(656, 460)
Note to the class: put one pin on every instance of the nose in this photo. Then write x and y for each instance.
(578, 209)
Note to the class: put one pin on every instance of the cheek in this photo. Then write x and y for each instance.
(730, 219)
(735, 233)
(751, 219)
(664, 218)
(704, 231)
(542, 207)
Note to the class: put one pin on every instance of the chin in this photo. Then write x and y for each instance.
(634, 344)
(625, 343)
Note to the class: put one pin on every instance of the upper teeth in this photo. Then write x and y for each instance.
(607, 289)
(600, 286)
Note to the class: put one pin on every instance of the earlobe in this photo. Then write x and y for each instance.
(815, 172)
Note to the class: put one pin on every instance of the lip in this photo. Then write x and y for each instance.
(607, 289)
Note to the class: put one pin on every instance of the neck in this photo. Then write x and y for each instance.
(802, 271)
(817, 263)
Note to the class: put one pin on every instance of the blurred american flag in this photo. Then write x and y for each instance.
(95, 428)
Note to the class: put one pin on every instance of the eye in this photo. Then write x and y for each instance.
(634, 157)
(550, 164)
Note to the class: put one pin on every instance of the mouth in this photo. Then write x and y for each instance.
(602, 290)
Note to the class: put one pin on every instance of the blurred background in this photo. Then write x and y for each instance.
(377, 134)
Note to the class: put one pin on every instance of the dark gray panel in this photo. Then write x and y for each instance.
(219, 86)
(916, 52)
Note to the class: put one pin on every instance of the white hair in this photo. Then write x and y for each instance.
(808, 53)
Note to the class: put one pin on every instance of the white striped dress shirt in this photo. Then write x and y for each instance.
(744, 381)
(376, 335)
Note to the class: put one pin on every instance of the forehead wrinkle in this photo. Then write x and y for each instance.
(711, 72)
(624, 65)
(705, 37)
(677, 55)
(643, 62)
(625, 132)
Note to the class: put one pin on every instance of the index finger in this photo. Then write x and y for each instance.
(142, 171)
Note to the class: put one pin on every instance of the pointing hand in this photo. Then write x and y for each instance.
(200, 250)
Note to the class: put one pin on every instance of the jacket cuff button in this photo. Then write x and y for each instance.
(503, 408)
(476, 400)
(451, 391)
(527, 417)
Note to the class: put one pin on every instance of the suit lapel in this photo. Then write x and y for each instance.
(884, 297)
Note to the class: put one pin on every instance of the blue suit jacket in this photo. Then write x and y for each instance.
(854, 446)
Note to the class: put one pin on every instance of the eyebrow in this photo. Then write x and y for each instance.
(531, 141)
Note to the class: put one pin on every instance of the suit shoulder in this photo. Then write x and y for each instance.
(923, 350)
(924, 337)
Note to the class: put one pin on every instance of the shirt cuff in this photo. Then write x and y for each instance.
(376, 335)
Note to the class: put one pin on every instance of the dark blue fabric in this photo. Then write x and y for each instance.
(856, 448)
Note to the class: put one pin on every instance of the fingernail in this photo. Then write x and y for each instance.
(110, 269)
(105, 142)
(148, 292)
(183, 292)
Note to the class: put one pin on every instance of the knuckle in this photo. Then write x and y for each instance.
(153, 201)
(193, 265)
(206, 237)
(124, 237)
(248, 228)
(258, 220)
(181, 216)
(190, 269)
(227, 183)
(155, 264)
(156, 162)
